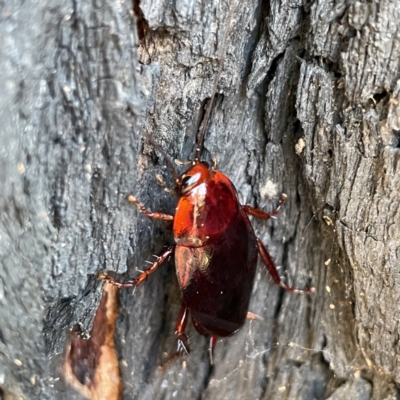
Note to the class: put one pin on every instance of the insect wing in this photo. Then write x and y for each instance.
(216, 280)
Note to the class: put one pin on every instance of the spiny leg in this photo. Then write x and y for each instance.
(143, 276)
(148, 213)
(213, 341)
(262, 214)
(267, 260)
(181, 337)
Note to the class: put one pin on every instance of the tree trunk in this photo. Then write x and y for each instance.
(307, 104)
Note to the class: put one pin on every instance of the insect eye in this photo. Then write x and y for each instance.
(185, 181)
(189, 181)
(205, 163)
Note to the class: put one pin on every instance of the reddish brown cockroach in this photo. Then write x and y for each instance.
(215, 248)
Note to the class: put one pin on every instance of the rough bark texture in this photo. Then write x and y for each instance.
(80, 83)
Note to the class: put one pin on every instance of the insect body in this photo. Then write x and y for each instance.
(215, 254)
(215, 249)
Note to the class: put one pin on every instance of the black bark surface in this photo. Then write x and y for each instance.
(308, 104)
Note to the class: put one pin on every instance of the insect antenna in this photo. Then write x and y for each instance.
(215, 85)
(166, 157)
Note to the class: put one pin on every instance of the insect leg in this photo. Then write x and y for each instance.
(148, 213)
(143, 276)
(181, 337)
(213, 341)
(161, 181)
(262, 214)
(253, 316)
(267, 260)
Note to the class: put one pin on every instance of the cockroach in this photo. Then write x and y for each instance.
(215, 250)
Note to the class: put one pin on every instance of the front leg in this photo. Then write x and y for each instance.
(256, 212)
(148, 213)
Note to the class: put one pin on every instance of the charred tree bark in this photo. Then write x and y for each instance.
(307, 104)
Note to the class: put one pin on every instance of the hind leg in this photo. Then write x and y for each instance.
(181, 337)
(213, 341)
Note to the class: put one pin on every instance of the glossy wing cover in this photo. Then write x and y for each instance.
(215, 256)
